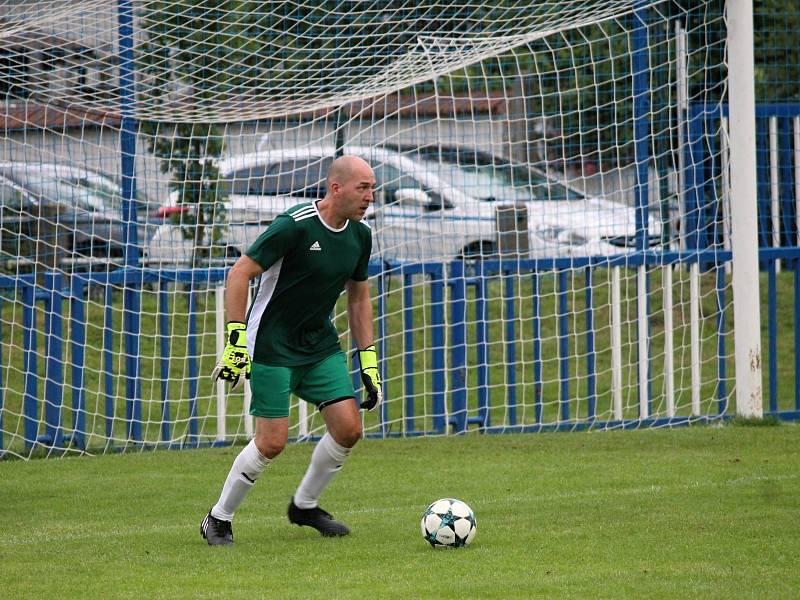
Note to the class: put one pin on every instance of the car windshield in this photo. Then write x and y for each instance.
(304, 178)
(500, 180)
(109, 194)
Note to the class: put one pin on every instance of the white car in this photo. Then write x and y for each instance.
(424, 210)
(562, 220)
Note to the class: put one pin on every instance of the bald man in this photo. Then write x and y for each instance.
(304, 260)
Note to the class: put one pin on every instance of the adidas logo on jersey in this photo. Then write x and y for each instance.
(316, 247)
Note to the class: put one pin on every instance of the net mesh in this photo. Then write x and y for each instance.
(550, 225)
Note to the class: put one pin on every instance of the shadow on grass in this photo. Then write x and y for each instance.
(768, 421)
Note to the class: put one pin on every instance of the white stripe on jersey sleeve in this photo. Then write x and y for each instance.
(303, 212)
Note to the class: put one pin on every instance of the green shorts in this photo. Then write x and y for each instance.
(321, 383)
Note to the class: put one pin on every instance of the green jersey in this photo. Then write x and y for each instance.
(307, 264)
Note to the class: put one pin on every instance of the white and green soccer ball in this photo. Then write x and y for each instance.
(448, 523)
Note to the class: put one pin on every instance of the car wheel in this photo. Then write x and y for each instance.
(479, 250)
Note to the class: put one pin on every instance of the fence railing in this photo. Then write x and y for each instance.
(707, 183)
(778, 187)
(62, 301)
(459, 369)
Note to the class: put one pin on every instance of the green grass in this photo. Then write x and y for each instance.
(698, 512)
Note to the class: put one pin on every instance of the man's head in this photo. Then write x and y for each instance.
(351, 186)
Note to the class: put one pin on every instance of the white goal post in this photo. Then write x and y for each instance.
(744, 219)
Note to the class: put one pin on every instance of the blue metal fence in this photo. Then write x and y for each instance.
(777, 127)
(778, 169)
(50, 297)
(454, 326)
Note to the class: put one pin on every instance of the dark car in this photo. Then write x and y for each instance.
(55, 214)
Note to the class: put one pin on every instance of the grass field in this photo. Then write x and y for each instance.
(700, 512)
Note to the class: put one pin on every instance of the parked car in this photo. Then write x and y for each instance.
(424, 209)
(56, 214)
(414, 218)
(552, 202)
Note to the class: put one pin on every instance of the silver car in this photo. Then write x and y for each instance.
(425, 210)
(55, 214)
(562, 220)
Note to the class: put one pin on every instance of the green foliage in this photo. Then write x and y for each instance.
(776, 24)
(690, 513)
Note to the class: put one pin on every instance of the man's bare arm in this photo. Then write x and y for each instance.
(237, 285)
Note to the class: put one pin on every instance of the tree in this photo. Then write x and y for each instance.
(777, 54)
(182, 61)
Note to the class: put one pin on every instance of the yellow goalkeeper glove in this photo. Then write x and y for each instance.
(235, 357)
(370, 377)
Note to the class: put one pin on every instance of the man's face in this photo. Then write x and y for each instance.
(356, 192)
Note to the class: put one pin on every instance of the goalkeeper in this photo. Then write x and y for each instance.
(304, 260)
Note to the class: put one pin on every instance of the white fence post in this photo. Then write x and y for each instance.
(249, 420)
(774, 187)
(616, 343)
(669, 341)
(796, 137)
(221, 388)
(694, 335)
(744, 233)
(222, 412)
(644, 343)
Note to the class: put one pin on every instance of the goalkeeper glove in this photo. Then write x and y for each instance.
(368, 360)
(235, 357)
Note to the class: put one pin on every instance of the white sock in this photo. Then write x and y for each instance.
(326, 461)
(243, 474)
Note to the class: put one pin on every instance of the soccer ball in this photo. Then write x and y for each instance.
(448, 523)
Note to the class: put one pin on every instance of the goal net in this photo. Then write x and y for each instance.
(550, 226)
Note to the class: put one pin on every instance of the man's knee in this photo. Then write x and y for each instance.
(343, 422)
(270, 445)
(349, 434)
(271, 435)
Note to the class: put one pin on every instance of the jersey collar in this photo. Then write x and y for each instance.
(342, 228)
